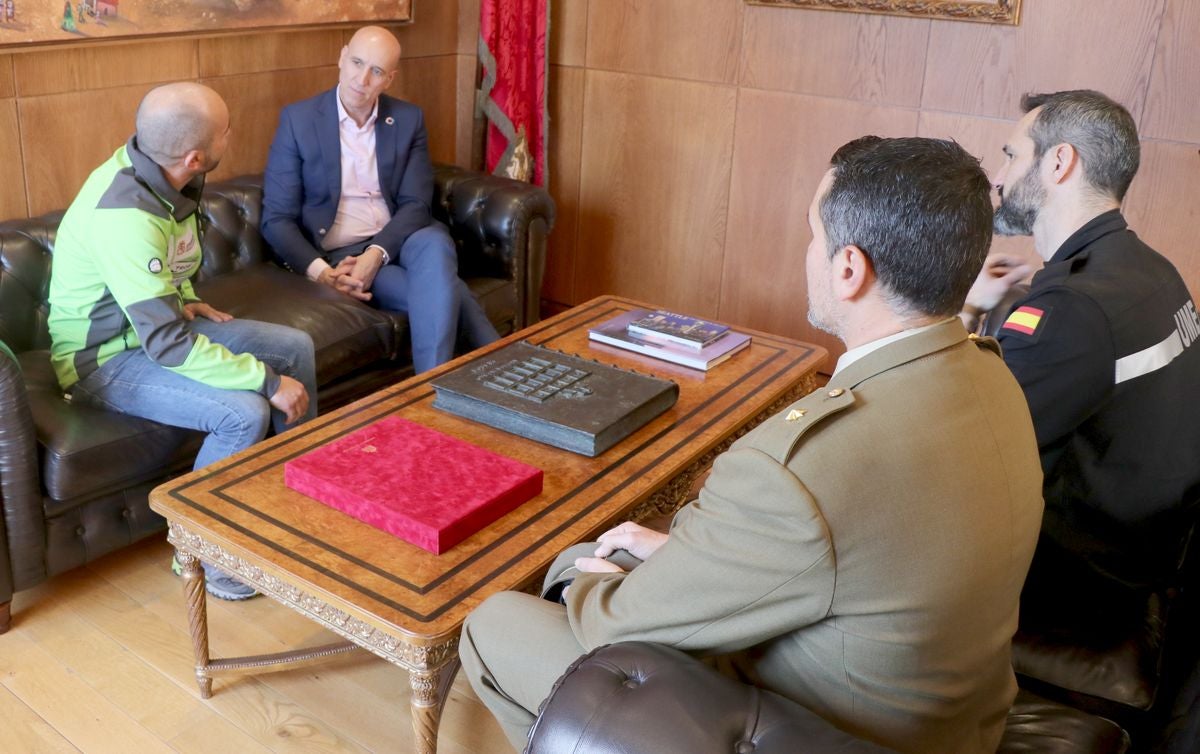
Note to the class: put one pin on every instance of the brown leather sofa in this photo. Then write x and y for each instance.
(641, 697)
(74, 480)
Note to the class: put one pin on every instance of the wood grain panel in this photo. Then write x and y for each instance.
(568, 31)
(775, 173)
(430, 83)
(984, 138)
(687, 39)
(566, 136)
(72, 69)
(6, 77)
(468, 26)
(433, 31)
(255, 53)
(879, 59)
(12, 188)
(982, 69)
(654, 189)
(57, 159)
(255, 100)
(1161, 205)
(464, 117)
(1172, 107)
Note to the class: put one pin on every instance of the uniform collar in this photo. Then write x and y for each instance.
(915, 346)
(180, 203)
(1101, 225)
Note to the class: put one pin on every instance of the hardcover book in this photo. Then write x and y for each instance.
(571, 403)
(427, 488)
(614, 332)
(677, 328)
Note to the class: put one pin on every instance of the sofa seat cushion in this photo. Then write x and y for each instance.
(1039, 726)
(499, 301)
(347, 334)
(88, 451)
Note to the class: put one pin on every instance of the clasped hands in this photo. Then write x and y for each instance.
(635, 539)
(354, 275)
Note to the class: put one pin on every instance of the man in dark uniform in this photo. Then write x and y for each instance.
(1104, 346)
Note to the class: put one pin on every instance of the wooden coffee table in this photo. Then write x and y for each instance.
(407, 605)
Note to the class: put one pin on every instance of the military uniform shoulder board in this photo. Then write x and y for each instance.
(986, 343)
(779, 435)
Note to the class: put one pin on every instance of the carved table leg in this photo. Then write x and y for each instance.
(429, 691)
(193, 592)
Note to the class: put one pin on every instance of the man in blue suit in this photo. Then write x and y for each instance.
(346, 202)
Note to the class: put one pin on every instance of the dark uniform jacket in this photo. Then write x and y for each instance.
(1105, 349)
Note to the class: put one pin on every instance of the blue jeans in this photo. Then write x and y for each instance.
(130, 383)
(422, 282)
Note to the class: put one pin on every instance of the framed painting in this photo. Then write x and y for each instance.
(40, 22)
(986, 11)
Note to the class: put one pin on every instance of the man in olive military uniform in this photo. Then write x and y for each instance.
(1104, 346)
(863, 551)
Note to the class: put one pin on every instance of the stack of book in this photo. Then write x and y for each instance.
(677, 338)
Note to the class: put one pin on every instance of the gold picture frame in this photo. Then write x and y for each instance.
(983, 11)
(34, 24)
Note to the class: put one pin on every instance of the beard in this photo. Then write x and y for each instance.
(1019, 206)
(821, 322)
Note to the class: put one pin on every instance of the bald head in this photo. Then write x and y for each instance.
(366, 67)
(176, 119)
(379, 44)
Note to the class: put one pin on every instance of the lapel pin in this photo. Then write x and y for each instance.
(390, 120)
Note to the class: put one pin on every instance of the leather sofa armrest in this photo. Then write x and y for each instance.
(500, 226)
(637, 696)
(21, 526)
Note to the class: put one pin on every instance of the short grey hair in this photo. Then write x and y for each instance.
(1100, 130)
(169, 126)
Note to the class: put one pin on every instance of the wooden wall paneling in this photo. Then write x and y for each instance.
(1172, 107)
(468, 26)
(564, 154)
(73, 69)
(568, 32)
(782, 149)
(12, 188)
(429, 83)
(255, 53)
(464, 117)
(687, 39)
(433, 31)
(255, 100)
(984, 138)
(983, 69)
(879, 59)
(58, 154)
(1161, 205)
(6, 77)
(654, 189)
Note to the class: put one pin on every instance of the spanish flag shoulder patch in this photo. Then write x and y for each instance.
(1025, 320)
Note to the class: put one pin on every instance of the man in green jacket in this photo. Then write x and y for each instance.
(128, 332)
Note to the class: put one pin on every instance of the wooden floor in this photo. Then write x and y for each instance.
(99, 660)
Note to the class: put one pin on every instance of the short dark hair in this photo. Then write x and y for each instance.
(921, 211)
(1101, 130)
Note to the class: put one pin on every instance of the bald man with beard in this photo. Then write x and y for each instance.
(346, 202)
(128, 332)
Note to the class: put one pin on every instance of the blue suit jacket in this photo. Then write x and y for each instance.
(303, 182)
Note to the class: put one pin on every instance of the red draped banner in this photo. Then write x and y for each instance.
(512, 51)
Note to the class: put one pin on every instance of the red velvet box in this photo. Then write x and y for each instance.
(427, 488)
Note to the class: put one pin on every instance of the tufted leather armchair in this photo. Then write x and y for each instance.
(74, 480)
